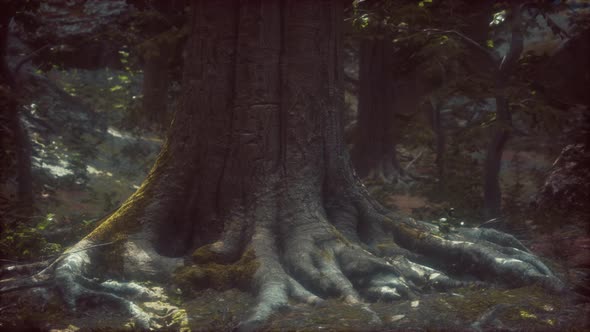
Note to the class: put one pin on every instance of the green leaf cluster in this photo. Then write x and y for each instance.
(27, 243)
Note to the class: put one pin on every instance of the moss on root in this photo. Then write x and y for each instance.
(125, 220)
(205, 255)
(210, 273)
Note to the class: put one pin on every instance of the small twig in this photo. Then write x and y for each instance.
(492, 56)
(414, 160)
(88, 248)
(28, 57)
(488, 316)
(492, 221)
(9, 260)
(7, 307)
(57, 255)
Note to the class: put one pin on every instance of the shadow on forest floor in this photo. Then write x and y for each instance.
(528, 308)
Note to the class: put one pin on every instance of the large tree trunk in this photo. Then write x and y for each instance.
(255, 176)
(377, 133)
(155, 84)
(159, 52)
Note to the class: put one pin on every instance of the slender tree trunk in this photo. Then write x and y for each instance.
(16, 161)
(502, 125)
(24, 177)
(440, 141)
(5, 73)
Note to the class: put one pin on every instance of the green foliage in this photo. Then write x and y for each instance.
(498, 17)
(49, 218)
(113, 94)
(24, 243)
(424, 3)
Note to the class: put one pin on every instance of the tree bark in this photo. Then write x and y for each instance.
(440, 143)
(255, 169)
(374, 154)
(15, 163)
(159, 52)
(492, 202)
(155, 84)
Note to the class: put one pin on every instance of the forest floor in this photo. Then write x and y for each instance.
(528, 308)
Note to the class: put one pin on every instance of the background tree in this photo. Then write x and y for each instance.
(379, 121)
(460, 61)
(266, 189)
(425, 67)
(162, 31)
(15, 159)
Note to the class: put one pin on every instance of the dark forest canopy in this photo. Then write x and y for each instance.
(322, 164)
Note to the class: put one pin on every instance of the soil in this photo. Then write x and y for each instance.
(528, 308)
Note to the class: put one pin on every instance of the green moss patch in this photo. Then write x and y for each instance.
(210, 274)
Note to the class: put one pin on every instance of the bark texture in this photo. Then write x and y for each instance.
(492, 193)
(378, 128)
(155, 84)
(15, 158)
(255, 168)
(160, 51)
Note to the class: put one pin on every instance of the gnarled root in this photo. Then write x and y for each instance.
(315, 260)
(356, 252)
(69, 276)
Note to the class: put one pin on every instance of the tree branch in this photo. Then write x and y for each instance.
(493, 57)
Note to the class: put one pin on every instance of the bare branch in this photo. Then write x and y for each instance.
(493, 57)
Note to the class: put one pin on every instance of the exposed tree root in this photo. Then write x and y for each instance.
(316, 261)
(70, 275)
(305, 254)
(23, 269)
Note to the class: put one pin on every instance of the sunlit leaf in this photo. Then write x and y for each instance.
(498, 18)
(124, 78)
(526, 314)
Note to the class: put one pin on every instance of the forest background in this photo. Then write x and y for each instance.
(456, 113)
